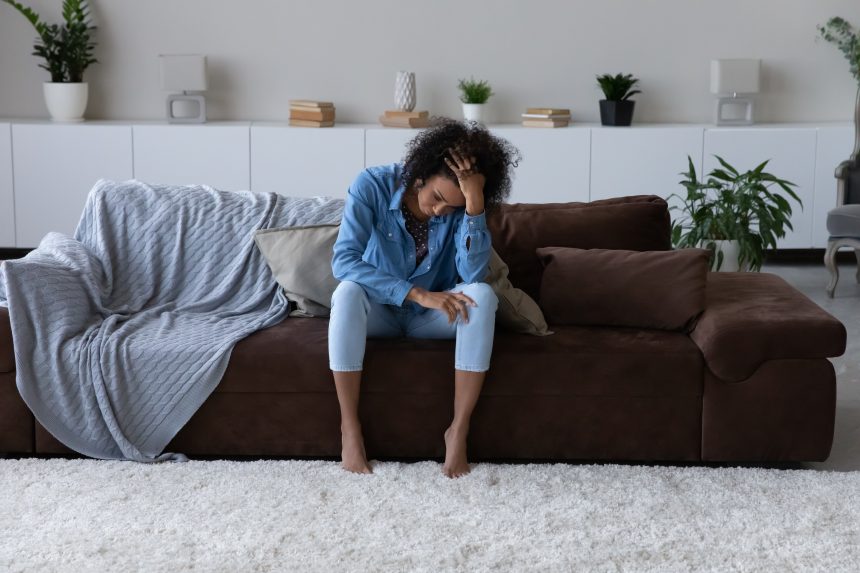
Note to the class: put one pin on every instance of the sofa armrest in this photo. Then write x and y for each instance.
(750, 318)
(7, 352)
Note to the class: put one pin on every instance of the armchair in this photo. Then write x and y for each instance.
(843, 222)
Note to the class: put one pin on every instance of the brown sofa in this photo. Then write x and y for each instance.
(750, 383)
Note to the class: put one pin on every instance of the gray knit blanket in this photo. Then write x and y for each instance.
(123, 331)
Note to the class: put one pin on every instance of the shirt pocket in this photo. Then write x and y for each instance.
(388, 233)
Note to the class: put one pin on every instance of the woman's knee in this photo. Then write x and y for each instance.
(349, 293)
(482, 294)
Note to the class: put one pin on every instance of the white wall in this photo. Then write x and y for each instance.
(536, 52)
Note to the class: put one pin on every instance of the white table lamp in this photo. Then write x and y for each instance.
(184, 73)
(730, 78)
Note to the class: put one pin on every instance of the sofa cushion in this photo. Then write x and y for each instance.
(647, 289)
(7, 352)
(636, 223)
(16, 421)
(844, 221)
(300, 260)
(751, 318)
(575, 361)
(517, 311)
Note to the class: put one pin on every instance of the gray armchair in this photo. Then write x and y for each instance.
(843, 222)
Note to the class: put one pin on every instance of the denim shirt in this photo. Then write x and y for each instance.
(375, 250)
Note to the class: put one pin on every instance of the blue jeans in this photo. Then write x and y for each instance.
(354, 318)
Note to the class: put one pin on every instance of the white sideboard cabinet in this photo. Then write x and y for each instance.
(555, 164)
(47, 169)
(55, 166)
(305, 162)
(213, 154)
(386, 145)
(7, 197)
(643, 160)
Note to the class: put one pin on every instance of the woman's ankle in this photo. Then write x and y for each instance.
(459, 427)
(349, 427)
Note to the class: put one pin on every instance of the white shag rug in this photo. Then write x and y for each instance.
(88, 515)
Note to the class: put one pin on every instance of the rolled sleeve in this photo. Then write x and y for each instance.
(399, 292)
(473, 248)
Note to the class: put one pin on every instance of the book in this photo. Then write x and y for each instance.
(545, 123)
(310, 123)
(546, 116)
(413, 122)
(323, 114)
(398, 113)
(548, 110)
(311, 108)
(310, 103)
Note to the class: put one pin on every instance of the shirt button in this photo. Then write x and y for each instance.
(389, 234)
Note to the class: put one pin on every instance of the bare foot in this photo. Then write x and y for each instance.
(456, 464)
(353, 456)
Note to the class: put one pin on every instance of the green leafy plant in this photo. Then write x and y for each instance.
(473, 91)
(731, 205)
(68, 49)
(839, 32)
(618, 87)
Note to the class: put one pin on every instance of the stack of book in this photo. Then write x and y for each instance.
(396, 118)
(546, 117)
(309, 113)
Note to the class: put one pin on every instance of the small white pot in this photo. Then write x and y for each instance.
(731, 251)
(474, 112)
(66, 101)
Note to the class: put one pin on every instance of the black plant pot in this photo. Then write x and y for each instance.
(616, 112)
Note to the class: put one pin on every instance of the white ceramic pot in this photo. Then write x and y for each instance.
(66, 101)
(731, 251)
(474, 112)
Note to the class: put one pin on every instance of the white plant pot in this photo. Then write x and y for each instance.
(474, 112)
(731, 251)
(66, 101)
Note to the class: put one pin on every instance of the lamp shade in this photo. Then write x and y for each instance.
(181, 72)
(735, 76)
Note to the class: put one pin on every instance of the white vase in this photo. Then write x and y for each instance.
(66, 101)
(474, 112)
(404, 91)
(731, 251)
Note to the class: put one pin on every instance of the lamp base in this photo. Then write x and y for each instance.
(724, 103)
(198, 117)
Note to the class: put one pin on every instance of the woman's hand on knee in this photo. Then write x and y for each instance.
(451, 303)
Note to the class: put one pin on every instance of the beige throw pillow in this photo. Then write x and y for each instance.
(300, 259)
(517, 311)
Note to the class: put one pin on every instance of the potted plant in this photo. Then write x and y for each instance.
(617, 108)
(839, 32)
(474, 95)
(68, 52)
(735, 215)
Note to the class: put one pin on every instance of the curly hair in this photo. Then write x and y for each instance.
(494, 156)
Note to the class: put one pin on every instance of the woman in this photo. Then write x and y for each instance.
(411, 254)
